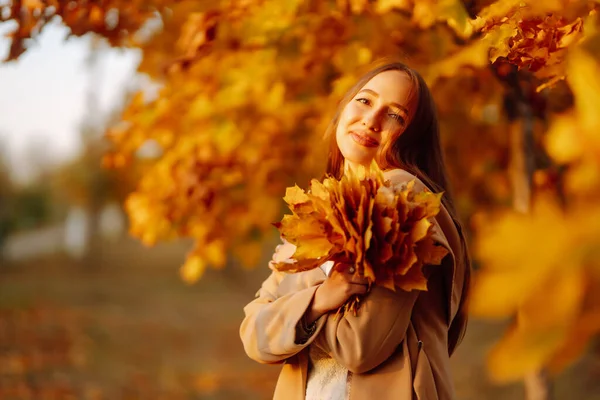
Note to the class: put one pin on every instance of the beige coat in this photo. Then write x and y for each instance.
(397, 347)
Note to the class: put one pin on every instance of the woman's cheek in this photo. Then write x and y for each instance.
(353, 110)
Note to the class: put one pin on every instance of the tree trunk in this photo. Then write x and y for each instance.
(537, 385)
(521, 162)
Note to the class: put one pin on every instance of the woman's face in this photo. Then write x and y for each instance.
(379, 111)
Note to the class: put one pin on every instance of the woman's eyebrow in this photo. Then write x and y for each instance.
(374, 93)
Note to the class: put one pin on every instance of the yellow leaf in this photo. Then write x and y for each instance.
(512, 270)
(475, 54)
(429, 253)
(420, 230)
(273, 101)
(317, 189)
(384, 6)
(521, 352)
(408, 261)
(33, 4)
(429, 203)
(96, 15)
(351, 58)
(583, 78)
(540, 311)
(249, 253)
(294, 266)
(192, 269)
(343, 84)
(358, 6)
(388, 284)
(563, 140)
(499, 12)
(413, 280)
(580, 334)
(227, 137)
(583, 178)
(201, 107)
(294, 195)
(215, 253)
(364, 55)
(452, 12)
(313, 248)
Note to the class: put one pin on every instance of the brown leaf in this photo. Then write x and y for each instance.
(412, 280)
(429, 252)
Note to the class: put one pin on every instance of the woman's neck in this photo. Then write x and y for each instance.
(350, 166)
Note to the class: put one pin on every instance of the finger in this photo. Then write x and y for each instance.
(359, 279)
(358, 288)
(284, 252)
(336, 272)
(346, 276)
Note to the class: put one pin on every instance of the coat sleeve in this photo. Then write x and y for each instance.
(362, 342)
(271, 322)
(457, 268)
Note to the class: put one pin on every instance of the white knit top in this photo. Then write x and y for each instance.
(327, 380)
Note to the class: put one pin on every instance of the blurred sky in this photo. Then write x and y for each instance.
(43, 95)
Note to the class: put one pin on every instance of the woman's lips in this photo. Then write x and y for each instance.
(364, 140)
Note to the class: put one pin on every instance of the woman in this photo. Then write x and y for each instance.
(399, 344)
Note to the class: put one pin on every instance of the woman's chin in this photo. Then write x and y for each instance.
(358, 154)
(359, 159)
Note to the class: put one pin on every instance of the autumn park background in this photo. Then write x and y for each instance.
(124, 267)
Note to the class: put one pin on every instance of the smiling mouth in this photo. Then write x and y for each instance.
(364, 140)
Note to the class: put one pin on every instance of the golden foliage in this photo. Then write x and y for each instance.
(255, 122)
(363, 220)
(119, 21)
(544, 268)
(545, 276)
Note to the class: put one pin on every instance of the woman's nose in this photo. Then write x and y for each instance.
(371, 121)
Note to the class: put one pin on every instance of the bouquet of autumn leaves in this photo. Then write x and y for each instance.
(363, 220)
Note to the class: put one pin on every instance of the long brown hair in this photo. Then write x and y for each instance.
(417, 149)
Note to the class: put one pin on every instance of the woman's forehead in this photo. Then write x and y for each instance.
(391, 86)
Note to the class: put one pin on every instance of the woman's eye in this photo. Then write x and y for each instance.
(397, 117)
(364, 101)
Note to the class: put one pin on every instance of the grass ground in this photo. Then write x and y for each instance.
(121, 325)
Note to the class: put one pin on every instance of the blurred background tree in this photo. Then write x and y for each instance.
(28, 205)
(5, 196)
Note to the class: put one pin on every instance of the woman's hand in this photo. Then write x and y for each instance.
(284, 252)
(333, 293)
(336, 290)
